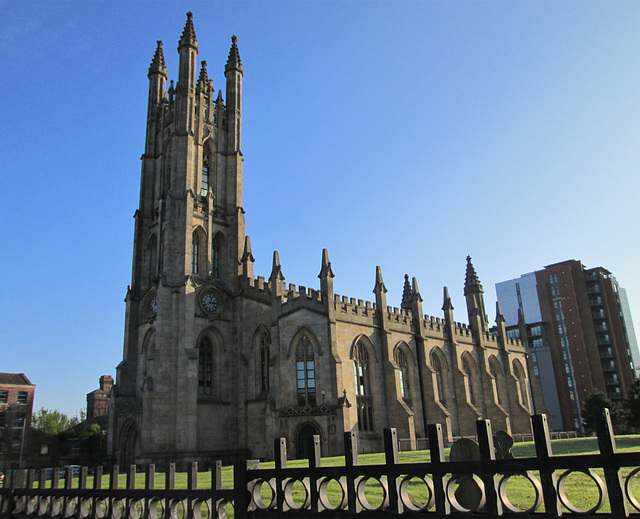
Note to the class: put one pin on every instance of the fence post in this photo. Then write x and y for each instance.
(192, 484)
(547, 475)
(351, 461)
(149, 484)
(396, 505)
(607, 445)
(240, 491)
(436, 449)
(488, 453)
(280, 448)
(315, 462)
(216, 475)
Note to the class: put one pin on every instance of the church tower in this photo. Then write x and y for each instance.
(189, 242)
(217, 363)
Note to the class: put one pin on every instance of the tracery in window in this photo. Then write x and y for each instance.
(403, 373)
(195, 251)
(205, 367)
(205, 176)
(364, 399)
(305, 372)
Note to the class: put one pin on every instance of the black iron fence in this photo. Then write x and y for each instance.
(478, 484)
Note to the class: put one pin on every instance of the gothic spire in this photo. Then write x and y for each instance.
(247, 255)
(157, 64)
(276, 270)
(325, 271)
(499, 314)
(471, 277)
(406, 294)
(416, 291)
(446, 305)
(204, 77)
(233, 62)
(188, 34)
(379, 283)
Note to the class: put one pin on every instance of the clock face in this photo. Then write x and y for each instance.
(153, 305)
(209, 302)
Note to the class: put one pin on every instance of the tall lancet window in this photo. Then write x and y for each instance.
(305, 372)
(205, 176)
(403, 372)
(363, 388)
(215, 258)
(195, 249)
(205, 367)
(264, 363)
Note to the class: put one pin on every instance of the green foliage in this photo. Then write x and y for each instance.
(52, 422)
(592, 407)
(632, 404)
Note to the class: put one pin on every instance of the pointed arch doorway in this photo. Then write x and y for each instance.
(303, 442)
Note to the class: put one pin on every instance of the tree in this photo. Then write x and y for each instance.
(592, 407)
(52, 422)
(632, 403)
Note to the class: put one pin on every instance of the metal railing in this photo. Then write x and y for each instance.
(295, 492)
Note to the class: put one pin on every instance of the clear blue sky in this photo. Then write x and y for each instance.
(401, 134)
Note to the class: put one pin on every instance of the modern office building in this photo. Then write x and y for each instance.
(578, 325)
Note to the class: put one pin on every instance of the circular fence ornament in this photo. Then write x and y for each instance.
(44, 504)
(263, 493)
(368, 490)
(85, 507)
(328, 487)
(293, 489)
(562, 495)
(537, 492)
(466, 493)
(32, 505)
(413, 486)
(102, 507)
(633, 477)
(224, 509)
(118, 508)
(201, 509)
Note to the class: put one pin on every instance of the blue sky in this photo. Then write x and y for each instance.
(401, 134)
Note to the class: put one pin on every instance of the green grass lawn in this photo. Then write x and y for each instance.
(580, 489)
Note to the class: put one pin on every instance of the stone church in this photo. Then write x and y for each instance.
(217, 362)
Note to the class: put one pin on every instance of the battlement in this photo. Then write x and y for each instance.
(349, 306)
(302, 293)
(258, 284)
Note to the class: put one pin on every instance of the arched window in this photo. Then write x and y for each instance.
(205, 367)
(403, 373)
(195, 252)
(363, 388)
(498, 380)
(205, 176)
(264, 363)
(523, 393)
(153, 258)
(216, 255)
(437, 367)
(470, 371)
(305, 373)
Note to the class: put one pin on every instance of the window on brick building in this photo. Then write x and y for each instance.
(4, 396)
(22, 397)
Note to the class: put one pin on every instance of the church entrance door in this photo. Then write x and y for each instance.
(304, 438)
